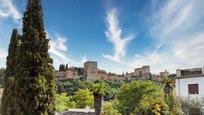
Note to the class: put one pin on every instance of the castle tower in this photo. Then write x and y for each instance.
(91, 70)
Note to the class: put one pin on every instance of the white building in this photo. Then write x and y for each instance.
(190, 83)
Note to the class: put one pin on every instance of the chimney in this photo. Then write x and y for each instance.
(203, 70)
(178, 73)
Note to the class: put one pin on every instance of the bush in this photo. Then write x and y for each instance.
(63, 102)
(83, 98)
(138, 97)
(193, 105)
(108, 109)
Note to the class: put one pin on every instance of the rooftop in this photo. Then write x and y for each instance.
(188, 73)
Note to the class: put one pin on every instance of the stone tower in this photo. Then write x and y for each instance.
(91, 70)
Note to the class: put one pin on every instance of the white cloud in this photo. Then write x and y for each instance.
(191, 49)
(59, 50)
(84, 59)
(3, 54)
(176, 28)
(171, 18)
(7, 9)
(59, 43)
(114, 35)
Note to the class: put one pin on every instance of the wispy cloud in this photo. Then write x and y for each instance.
(177, 28)
(59, 50)
(7, 9)
(172, 18)
(114, 35)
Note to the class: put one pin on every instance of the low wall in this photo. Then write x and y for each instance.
(75, 113)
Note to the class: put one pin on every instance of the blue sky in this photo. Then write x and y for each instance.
(120, 35)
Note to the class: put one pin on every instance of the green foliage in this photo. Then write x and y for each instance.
(98, 90)
(106, 89)
(2, 74)
(66, 66)
(193, 104)
(111, 88)
(63, 102)
(170, 98)
(35, 79)
(2, 69)
(8, 97)
(70, 86)
(174, 104)
(138, 96)
(12, 53)
(9, 86)
(83, 98)
(108, 109)
(157, 109)
(62, 67)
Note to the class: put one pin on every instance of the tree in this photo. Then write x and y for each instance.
(60, 67)
(108, 109)
(83, 98)
(170, 97)
(138, 96)
(98, 90)
(35, 81)
(2, 74)
(191, 105)
(8, 94)
(174, 104)
(70, 86)
(66, 66)
(63, 67)
(111, 87)
(63, 102)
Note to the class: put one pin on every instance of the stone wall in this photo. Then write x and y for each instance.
(85, 111)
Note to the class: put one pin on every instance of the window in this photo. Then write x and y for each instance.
(193, 89)
(140, 73)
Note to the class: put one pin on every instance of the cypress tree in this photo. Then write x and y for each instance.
(35, 81)
(60, 67)
(66, 66)
(8, 94)
(63, 67)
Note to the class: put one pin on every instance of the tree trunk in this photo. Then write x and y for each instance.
(97, 104)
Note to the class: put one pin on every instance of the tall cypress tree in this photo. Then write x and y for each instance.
(66, 67)
(35, 81)
(8, 94)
